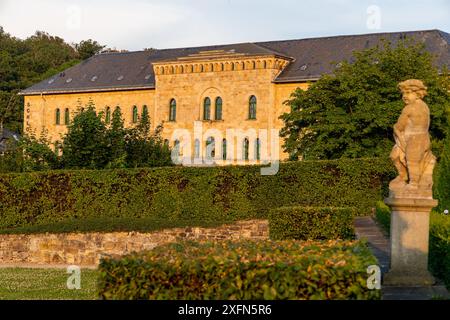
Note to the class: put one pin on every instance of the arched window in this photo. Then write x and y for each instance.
(257, 149)
(117, 109)
(135, 114)
(58, 116)
(66, 117)
(207, 109)
(224, 149)
(108, 115)
(196, 149)
(144, 110)
(218, 111)
(210, 148)
(245, 147)
(173, 110)
(252, 108)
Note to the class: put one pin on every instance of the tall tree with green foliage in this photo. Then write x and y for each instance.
(37, 153)
(145, 148)
(88, 48)
(29, 154)
(25, 62)
(115, 136)
(85, 145)
(351, 112)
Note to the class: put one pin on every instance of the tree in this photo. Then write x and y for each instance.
(37, 154)
(351, 112)
(145, 148)
(25, 62)
(92, 143)
(85, 144)
(29, 154)
(88, 48)
(115, 136)
(443, 173)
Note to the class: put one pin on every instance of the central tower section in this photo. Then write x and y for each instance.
(224, 88)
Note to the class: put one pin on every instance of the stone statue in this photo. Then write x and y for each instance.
(412, 154)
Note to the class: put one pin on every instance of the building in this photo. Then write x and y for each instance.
(236, 86)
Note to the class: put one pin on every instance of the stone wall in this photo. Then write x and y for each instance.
(86, 249)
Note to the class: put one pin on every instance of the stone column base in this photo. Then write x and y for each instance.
(410, 219)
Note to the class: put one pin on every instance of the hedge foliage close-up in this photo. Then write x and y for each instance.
(439, 245)
(241, 270)
(190, 193)
(311, 223)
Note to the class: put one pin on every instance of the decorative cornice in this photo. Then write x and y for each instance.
(219, 61)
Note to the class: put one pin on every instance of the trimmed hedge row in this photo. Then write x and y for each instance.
(439, 247)
(315, 223)
(108, 224)
(243, 270)
(187, 193)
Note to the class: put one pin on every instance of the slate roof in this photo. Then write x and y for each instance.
(310, 59)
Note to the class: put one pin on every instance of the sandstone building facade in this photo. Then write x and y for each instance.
(240, 87)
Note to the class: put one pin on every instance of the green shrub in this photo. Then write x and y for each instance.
(439, 258)
(241, 270)
(383, 215)
(304, 223)
(439, 247)
(189, 193)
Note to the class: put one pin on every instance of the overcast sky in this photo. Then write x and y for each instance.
(137, 24)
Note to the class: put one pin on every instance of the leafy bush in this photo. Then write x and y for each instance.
(439, 247)
(439, 258)
(383, 215)
(188, 193)
(315, 223)
(241, 270)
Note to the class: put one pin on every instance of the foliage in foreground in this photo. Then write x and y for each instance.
(242, 270)
(189, 193)
(311, 223)
(439, 248)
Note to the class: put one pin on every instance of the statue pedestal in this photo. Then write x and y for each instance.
(410, 220)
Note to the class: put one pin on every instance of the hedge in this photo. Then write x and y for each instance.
(189, 193)
(241, 270)
(315, 223)
(439, 247)
(108, 224)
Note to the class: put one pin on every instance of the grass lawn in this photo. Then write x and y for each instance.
(43, 284)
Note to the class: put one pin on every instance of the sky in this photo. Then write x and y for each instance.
(137, 24)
